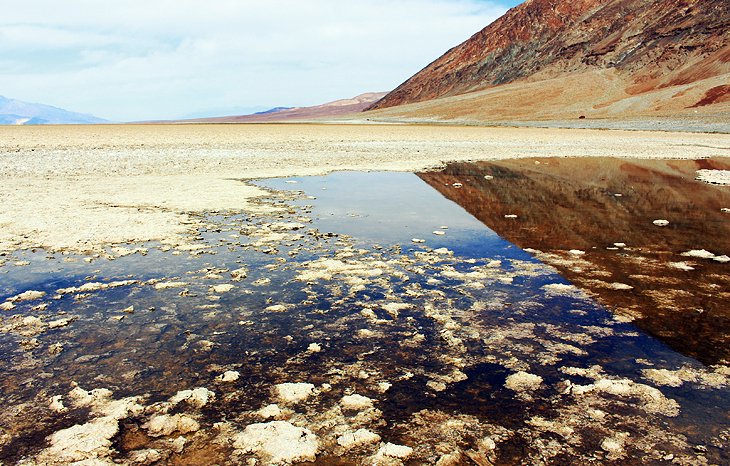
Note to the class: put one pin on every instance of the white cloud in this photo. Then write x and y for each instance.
(162, 58)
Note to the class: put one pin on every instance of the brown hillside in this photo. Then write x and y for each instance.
(631, 47)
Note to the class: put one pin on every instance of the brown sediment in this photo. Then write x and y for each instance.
(591, 207)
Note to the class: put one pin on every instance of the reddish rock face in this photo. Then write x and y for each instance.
(656, 43)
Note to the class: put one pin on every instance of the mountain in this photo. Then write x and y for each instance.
(221, 111)
(338, 108)
(571, 58)
(273, 110)
(16, 112)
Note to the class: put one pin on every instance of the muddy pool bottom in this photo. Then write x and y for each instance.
(369, 321)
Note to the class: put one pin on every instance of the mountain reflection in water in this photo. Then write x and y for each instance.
(593, 219)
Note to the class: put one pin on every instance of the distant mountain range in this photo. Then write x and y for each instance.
(336, 109)
(549, 59)
(273, 110)
(17, 112)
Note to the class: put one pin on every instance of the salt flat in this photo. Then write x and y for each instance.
(80, 188)
(182, 308)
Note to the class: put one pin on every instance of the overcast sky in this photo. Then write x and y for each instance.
(154, 59)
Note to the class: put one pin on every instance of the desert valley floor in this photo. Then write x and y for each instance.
(363, 294)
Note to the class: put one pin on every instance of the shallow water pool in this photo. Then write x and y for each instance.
(461, 347)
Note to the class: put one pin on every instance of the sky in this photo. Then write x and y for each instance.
(160, 59)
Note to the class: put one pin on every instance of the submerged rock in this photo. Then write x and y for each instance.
(394, 308)
(222, 288)
(58, 323)
(229, 376)
(356, 402)
(271, 411)
(239, 274)
(522, 381)
(148, 456)
(82, 442)
(276, 308)
(178, 445)
(197, 397)
(56, 404)
(651, 399)
(169, 285)
(394, 451)
(7, 306)
(294, 392)
(614, 446)
(89, 443)
(360, 437)
(55, 348)
(95, 286)
(676, 378)
(278, 442)
(352, 272)
(165, 424)
(30, 295)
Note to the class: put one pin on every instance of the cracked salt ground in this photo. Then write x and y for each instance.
(324, 334)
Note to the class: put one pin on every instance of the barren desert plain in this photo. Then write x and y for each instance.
(363, 294)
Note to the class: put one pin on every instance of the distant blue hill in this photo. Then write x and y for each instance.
(227, 111)
(273, 110)
(17, 112)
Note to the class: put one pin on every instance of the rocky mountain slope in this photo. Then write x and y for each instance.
(17, 112)
(612, 50)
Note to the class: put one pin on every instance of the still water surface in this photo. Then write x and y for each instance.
(429, 330)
